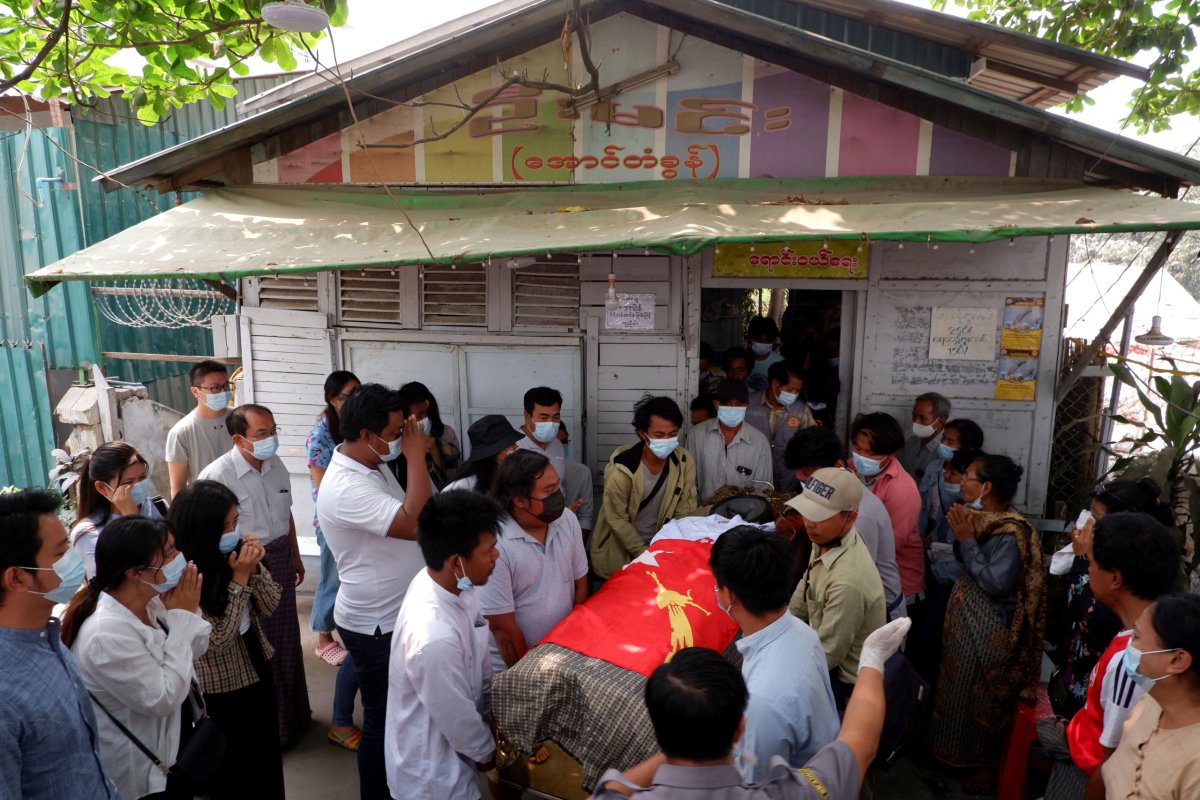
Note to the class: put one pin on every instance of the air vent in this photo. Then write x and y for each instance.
(369, 295)
(546, 295)
(454, 297)
(295, 292)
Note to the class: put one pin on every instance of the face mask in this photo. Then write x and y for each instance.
(426, 426)
(1133, 658)
(761, 348)
(393, 449)
(70, 570)
(552, 507)
(172, 571)
(787, 398)
(977, 503)
(138, 492)
(717, 592)
(544, 432)
(663, 447)
(731, 416)
(218, 401)
(229, 541)
(263, 449)
(463, 583)
(922, 431)
(867, 467)
(952, 490)
(566, 451)
(945, 452)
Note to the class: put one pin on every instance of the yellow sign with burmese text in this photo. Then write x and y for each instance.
(809, 259)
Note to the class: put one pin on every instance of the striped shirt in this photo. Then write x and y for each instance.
(1111, 696)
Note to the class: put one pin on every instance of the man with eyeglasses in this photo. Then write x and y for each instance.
(253, 471)
(200, 438)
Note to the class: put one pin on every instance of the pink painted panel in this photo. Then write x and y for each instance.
(319, 162)
(877, 139)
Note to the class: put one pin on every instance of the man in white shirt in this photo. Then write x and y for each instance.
(543, 421)
(370, 527)
(438, 736)
(543, 568)
(253, 472)
(727, 450)
(200, 438)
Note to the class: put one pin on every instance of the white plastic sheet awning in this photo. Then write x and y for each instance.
(231, 233)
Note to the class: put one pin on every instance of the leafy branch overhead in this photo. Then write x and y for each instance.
(1122, 29)
(161, 54)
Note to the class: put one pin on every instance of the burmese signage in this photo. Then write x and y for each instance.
(807, 259)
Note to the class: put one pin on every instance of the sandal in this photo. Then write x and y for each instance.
(348, 741)
(332, 654)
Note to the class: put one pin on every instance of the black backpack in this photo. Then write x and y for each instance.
(907, 695)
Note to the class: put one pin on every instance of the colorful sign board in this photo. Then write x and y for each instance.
(806, 259)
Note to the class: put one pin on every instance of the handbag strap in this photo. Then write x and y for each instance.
(662, 478)
(129, 734)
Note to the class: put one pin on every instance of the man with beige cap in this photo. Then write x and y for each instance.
(841, 594)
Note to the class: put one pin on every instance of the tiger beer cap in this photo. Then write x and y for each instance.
(827, 492)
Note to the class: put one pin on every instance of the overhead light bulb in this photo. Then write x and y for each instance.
(1154, 337)
(294, 15)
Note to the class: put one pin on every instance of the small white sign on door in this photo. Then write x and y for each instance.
(963, 334)
(631, 312)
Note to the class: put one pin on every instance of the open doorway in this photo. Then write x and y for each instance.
(808, 323)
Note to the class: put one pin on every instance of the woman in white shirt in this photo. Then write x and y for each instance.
(135, 633)
(115, 482)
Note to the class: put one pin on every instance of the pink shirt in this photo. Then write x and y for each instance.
(898, 491)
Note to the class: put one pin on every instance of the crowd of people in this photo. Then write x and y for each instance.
(177, 670)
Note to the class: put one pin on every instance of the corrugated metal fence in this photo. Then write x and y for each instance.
(40, 224)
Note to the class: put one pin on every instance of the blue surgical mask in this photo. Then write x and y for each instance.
(218, 401)
(393, 449)
(229, 541)
(463, 583)
(70, 570)
(787, 398)
(945, 452)
(761, 348)
(264, 449)
(867, 467)
(952, 490)
(426, 426)
(545, 432)
(731, 416)
(717, 592)
(1133, 658)
(140, 491)
(566, 451)
(663, 447)
(172, 571)
(977, 503)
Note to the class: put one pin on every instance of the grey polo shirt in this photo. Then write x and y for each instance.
(197, 442)
(264, 497)
(874, 525)
(534, 581)
(915, 457)
(831, 773)
(746, 458)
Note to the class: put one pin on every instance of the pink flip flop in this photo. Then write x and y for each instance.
(332, 654)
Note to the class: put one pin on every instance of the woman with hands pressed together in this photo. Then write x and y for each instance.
(135, 633)
(235, 672)
(992, 645)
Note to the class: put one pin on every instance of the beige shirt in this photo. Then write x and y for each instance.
(841, 597)
(1152, 763)
(264, 497)
(197, 442)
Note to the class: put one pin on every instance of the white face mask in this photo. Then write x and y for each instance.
(787, 398)
(923, 431)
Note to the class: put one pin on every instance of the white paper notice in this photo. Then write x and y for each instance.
(631, 312)
(963, 334)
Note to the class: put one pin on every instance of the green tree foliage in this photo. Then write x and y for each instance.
(1121, 29)
(190, 50)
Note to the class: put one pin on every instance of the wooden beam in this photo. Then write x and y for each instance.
(1039, 78)
(1157, 262)
(172, 357)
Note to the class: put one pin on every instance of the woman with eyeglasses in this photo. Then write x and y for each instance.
(995, 620)
(114, 483)
(235, 671)
(1159, 753)
(135, 633)
(325, 436)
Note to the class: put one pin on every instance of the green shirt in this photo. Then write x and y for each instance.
(841, 597)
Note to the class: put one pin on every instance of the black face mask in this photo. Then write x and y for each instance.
(552, 507)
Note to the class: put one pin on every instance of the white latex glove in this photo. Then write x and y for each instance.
(882, 643)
